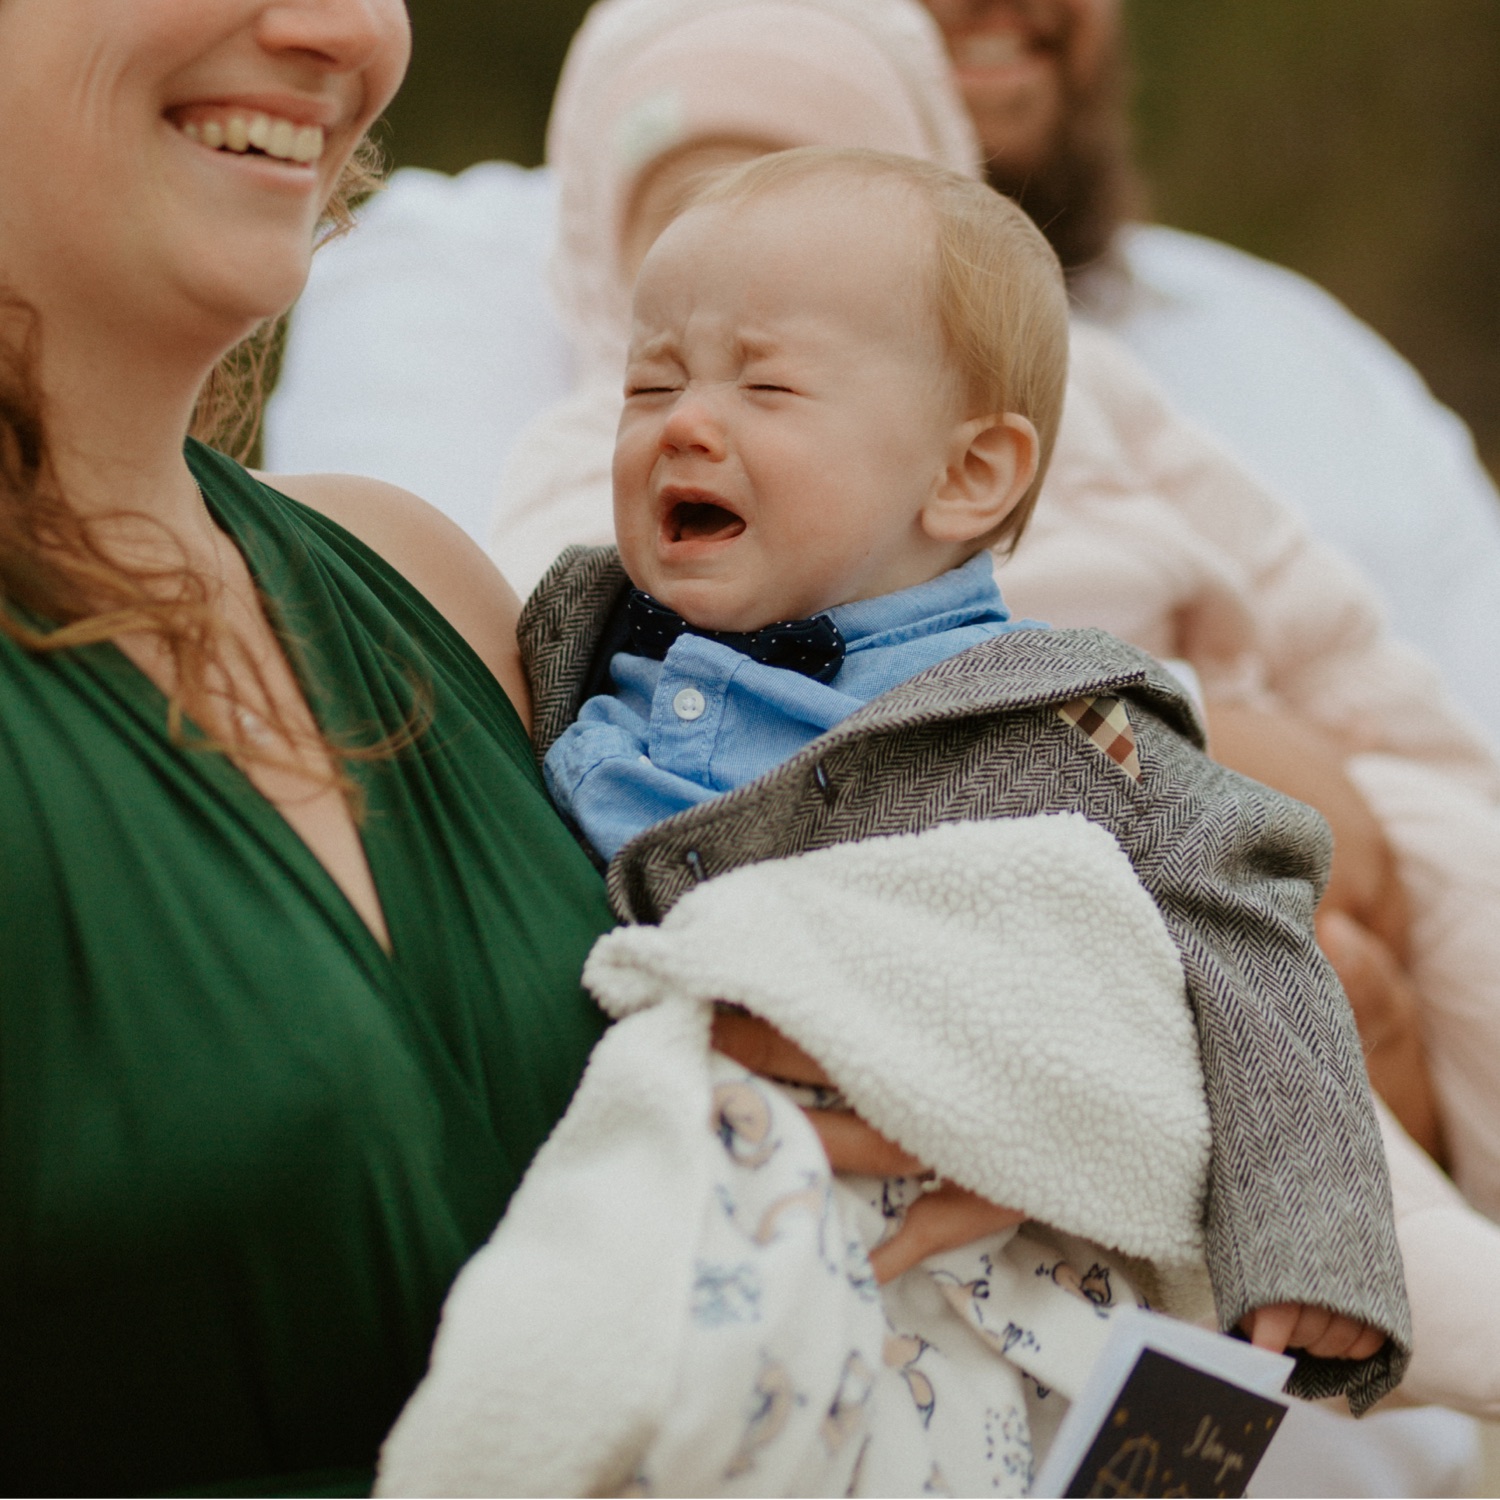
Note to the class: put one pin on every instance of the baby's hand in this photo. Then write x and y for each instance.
(944, 1219)
(1315, 1330)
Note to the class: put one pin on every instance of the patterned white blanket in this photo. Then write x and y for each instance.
(679, 1299)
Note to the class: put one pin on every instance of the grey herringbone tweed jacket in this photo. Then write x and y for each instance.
(1299, 1205)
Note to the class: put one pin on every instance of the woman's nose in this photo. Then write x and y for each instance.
(694, 425)
(344, 35)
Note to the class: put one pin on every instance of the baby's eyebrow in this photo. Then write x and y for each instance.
(750, 346)
(653, 348)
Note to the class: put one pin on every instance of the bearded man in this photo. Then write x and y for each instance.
(1311, 400)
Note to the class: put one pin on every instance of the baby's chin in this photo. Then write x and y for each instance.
(710, 609)
(731, 586)
(724, 604)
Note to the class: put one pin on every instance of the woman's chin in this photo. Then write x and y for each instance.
(243, 288)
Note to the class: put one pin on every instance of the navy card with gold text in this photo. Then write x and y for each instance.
(1168, 1409)
(1175, 1430)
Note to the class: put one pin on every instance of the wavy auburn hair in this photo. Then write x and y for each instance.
(61, 587)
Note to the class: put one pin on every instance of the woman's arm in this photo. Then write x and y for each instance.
(435, 556)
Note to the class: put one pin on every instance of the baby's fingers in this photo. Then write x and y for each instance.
(1316, 1330)
(1369, 1343)
(1311, 1329)
(1347, 1339)
(942, 1220)
(1271, 1327)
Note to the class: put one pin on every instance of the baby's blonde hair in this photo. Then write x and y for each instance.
(999, 295)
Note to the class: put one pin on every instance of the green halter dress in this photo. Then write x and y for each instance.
(243, 1151)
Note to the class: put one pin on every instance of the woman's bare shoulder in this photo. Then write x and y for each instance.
(432, 553)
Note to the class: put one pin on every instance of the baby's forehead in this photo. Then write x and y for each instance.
(837, 236)
(864, 211)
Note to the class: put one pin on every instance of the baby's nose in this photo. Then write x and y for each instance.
(694, 425)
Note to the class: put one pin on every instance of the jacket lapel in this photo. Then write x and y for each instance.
(559, 631)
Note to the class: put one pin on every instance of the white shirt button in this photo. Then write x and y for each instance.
(689, 704)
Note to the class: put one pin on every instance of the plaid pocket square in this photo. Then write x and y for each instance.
(1107, 726)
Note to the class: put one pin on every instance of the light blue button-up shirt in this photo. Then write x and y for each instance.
(708, 719)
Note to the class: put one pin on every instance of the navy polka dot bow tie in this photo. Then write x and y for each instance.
(813, 647)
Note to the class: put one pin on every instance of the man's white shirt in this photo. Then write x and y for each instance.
(1331, 420)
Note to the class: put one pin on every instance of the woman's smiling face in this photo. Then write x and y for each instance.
(130, 191)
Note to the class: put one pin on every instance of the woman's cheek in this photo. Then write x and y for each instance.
(385, 78)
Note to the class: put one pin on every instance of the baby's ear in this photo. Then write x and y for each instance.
(992, 461)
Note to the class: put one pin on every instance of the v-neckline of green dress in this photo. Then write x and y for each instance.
(243, 1151)
(269, 570)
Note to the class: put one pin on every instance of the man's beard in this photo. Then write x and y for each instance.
(1086, 187)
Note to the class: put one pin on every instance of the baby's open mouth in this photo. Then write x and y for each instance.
(701, 521)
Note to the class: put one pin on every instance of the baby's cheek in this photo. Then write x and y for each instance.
(632, 446)
(631, 481)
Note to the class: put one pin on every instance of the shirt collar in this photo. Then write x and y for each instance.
(966, 595)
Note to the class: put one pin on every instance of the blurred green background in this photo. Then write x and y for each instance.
(1357, 141)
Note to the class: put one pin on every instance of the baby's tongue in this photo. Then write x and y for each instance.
(701, 520)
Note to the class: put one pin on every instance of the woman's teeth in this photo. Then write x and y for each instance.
(241, 133)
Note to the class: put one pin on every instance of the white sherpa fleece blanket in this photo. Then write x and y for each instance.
(679, 1299)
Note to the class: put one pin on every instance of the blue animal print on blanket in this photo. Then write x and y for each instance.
(799, 1375)
(726, 1294)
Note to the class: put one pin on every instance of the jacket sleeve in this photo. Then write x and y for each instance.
(1299, 1199)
